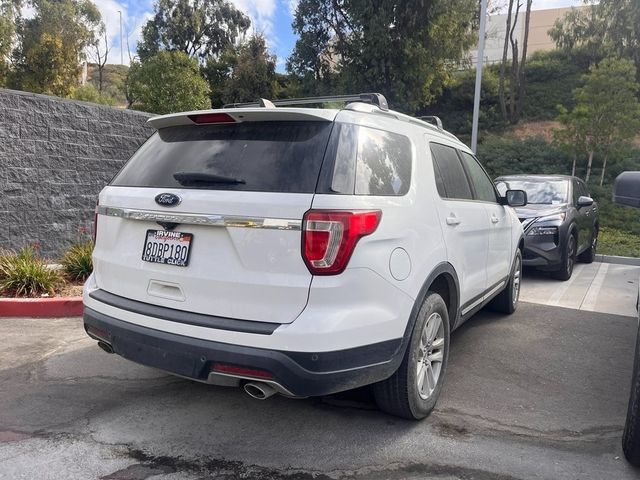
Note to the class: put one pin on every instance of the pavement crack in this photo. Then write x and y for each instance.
(564, 435)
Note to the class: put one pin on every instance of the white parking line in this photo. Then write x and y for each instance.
(589, 302)
(560, 291)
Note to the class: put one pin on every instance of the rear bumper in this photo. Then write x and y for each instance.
(301, 374)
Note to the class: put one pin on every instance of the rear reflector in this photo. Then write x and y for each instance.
(212, 118)
(330, 236)
(241, 371)
(94, 231)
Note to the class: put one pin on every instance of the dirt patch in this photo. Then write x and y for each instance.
(544, 129)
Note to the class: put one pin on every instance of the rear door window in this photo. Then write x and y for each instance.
(367, 161)
(482, 184)
(250, 156)
(451, 179)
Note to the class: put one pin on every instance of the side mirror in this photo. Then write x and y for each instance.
(584, 201)
(626, 189)
(515, 198)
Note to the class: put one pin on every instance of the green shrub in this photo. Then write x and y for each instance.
(613, 216)
(455, 104)
(25, 274)
(551, 78)
(617, 242)
(508, 156)
(76, 262)
(89, 93)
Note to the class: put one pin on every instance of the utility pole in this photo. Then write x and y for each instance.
(121, 48)
(479, 63)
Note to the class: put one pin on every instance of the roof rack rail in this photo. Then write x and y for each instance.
(433, 120)
(373, 98)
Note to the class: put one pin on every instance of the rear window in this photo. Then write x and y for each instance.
(258, 156)
(451, 179)
(367, 161)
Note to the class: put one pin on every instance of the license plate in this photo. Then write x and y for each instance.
(169, 248)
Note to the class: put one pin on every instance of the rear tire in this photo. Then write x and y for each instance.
(631, 436)
(413, 390)
(589, 255)
(568, 260)
(507, 300)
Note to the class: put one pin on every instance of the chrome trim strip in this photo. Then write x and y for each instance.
(494, 290)
(201, 219)
(483, 298)
(472, 306)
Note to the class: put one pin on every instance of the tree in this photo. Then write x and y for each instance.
(314, 60)
(571, 138)
(100, 54)
(608, 28)
(403, 49)
(515, 100)
(53, 43)
(253, 75)
(199, 28)
(9, 16)
(168, 82)
(607, 111)
(217, 71)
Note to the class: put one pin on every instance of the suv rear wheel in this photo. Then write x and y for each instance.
(413, 390)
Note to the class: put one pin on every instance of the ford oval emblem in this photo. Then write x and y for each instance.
(168, 199)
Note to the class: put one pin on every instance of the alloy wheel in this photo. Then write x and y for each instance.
(571, 253)
(430, 355)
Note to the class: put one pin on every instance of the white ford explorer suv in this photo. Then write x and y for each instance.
(301, 251)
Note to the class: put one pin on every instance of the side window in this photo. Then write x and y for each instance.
(481, 181)
(383, 164)
(451, 179)
(576, 192)
(583, 189)
(368, 161)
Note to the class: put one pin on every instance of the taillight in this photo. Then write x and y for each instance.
(330, 236)
(212, 118)
(94, 232)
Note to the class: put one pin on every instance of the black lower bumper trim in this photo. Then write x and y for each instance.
(180, 316)
(301, 373)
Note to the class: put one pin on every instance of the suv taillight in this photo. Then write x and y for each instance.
(330, 236)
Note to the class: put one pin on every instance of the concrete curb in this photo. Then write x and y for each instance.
(618, 260)
(41, 307)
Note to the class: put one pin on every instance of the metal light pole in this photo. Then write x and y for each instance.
(480, 61)
(121, 48)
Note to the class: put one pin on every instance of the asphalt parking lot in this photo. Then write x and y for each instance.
(540, 394)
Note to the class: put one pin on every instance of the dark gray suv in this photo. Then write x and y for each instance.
(560, 221)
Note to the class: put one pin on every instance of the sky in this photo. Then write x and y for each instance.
(270, 17)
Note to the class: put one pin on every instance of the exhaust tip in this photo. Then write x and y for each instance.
(106, 347)
(259, 391)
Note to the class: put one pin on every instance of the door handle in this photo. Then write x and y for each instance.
(453, 220)
(494, 219)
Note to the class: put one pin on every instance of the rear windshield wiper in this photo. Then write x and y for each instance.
(201, 178)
